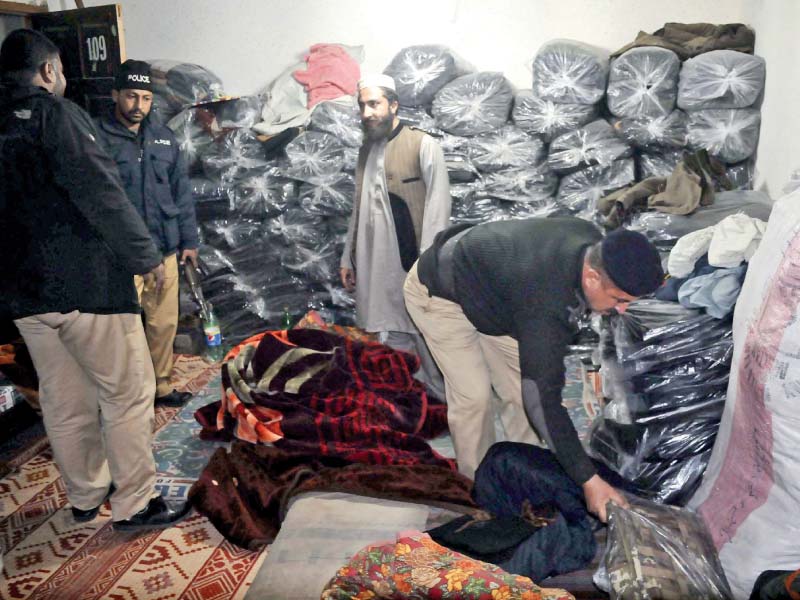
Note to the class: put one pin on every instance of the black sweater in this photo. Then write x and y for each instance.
(523, 278)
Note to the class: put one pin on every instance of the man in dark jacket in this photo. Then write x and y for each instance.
(498, 305)
(155, 178)
(72, 244)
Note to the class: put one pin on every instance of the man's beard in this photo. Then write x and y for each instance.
(378, 129)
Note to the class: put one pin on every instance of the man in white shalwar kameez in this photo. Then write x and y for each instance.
(402, 201)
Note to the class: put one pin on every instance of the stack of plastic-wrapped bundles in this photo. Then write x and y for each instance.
(665, 363)
(665, 368)
(720, 92)
(271, 226)
(569, 82)
(494, 166)
(665, 109)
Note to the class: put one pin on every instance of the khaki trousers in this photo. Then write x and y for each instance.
(160, 320)
(96, 391)
(473, 364)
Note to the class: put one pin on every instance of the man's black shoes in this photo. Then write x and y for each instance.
(157, 514)
(84, 516)
(174, 398)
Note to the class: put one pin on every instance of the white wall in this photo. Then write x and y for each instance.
(249, 42)
(775, 22)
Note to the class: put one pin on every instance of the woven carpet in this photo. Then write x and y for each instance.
(46, 554)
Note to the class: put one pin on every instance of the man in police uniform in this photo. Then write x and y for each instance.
(73, 243)
(157, 183)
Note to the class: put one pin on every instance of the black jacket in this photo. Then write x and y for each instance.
(71, 239)
(156, 179)
(522, 278)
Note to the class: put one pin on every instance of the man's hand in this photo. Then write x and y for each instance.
(189, 254)
(597, 493)
(159, 274)
(348, 278)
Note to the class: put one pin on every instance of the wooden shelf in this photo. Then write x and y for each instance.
(21, 9)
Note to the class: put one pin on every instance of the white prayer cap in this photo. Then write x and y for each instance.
(376, 80)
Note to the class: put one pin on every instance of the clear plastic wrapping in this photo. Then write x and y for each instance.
(473, 104)
(295, 227)
(643, 82)
(547, 118)
(593, 144)
(508, 147)
(655, 551)
(340, 120)
(261, 196)
(658, 162)
(580, 191)
(671, 367)
(329, 195)
(313, 154)
(195, 130)
(317, 264)
(665, 227)
(742, 175)
(238, 113)
(570, 72)
(234, 155)
(729, 134)
(645, 132)
(535, 184)
(472, 209)
(419, 72)
(721, 79)
(419, 118)
(184, 84)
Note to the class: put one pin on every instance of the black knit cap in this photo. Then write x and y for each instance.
(133, 75)
(632, 262)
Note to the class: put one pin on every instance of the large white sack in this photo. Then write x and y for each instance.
(750, 495)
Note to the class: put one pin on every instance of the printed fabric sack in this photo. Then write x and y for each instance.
(661, 552)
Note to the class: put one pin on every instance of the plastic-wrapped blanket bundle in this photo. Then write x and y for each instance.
(261, 196)
(460, 168)
(657, 162)
(419, 72)
(184, 84)
(570, 72)
(579, 192)
(721, 79)
(473, 209)
(473, 104)
(534, 184)
(665, 229)
(195, 130)
(729, 134)
(547, 118)
(643, 82)
(592, 144)
(418, 117)
(340, 120)
(675, 370)
(296, 227)
(237, 154)
(644, 132)
(329, 195)
(509, 147)
(313, 154)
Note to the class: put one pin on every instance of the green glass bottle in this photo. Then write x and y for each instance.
(286, 319)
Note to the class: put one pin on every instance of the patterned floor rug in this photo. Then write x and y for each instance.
(46, 554)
